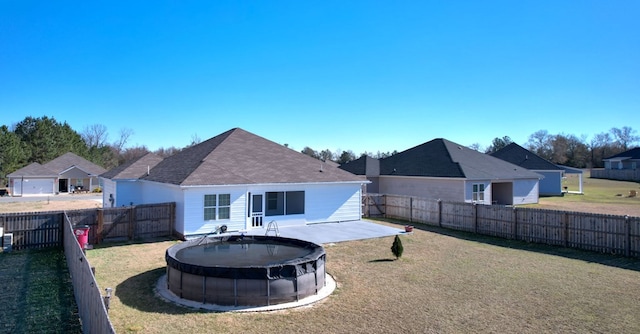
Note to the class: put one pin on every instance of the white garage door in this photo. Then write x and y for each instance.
(33, 187)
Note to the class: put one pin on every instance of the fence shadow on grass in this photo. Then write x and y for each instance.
(138, 292)
(612, 260)
(137, 241)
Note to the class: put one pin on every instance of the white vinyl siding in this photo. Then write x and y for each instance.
(322, 203)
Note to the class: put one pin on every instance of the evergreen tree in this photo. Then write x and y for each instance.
(397, 248)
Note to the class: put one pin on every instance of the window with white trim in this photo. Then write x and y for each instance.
(284, 203)
(217, 207)
(478, 192)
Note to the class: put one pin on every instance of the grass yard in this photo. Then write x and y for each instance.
(36, 295)
(600, 196)
(446, 282)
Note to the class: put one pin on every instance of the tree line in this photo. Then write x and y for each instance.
(44, 138)
(561, 149)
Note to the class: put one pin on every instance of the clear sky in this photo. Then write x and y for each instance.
(339, 75)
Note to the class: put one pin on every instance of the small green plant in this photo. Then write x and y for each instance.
(397, 248)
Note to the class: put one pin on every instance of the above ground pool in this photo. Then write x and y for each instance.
(242, 270)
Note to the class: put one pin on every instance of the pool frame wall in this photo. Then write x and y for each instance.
(285, 282)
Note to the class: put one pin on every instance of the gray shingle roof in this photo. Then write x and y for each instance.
(33, 169)
(358, 166)
(240, 157)
(133, 169)
(522, 157)
(68, 160)
(633, 153)
(443, 158)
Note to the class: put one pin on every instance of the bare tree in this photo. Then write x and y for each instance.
(95, 135)
(326, 155)
(624, 137)
(540, 144)
(125, 134)
(195, 140)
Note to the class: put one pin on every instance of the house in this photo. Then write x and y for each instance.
(33, 179)
(626, 160)
(622, 166)
(66, 173)
(243, 181)
(119, 185)
(441, 169)
(552, 174)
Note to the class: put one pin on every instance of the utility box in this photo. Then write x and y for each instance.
(7, 242)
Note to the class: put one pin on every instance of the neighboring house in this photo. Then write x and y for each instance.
(441, 169)
(120, 185)
(626, 160)
(244, 181)
(551, 183)
(33, 179)
(622, 166)
(63, 174)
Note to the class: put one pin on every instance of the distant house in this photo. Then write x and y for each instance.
(63, 174)
(441, 169)
(622, 166)
(551, 183)
(120, 184)
(626, 160)
(244, 181)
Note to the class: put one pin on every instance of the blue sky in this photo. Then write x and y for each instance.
(339, 75)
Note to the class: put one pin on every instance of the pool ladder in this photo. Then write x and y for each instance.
(273, 226)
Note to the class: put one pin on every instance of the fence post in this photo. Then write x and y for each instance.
(475, 217)
(173, 217)
(439, 212)
(565, 223)
(100, 229)
(384, 199)
(62, 221)
(132, 212)
(627, 246)
(411, 209)
(515, 223)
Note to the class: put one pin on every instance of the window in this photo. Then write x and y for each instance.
(217, 206)
(478, 192)
(285, 203)
(295, 202)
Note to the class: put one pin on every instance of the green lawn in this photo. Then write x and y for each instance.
(36, 295)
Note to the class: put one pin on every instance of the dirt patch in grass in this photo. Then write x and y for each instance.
(446, 282)
(49, 205)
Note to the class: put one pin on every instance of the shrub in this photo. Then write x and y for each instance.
(397, 248)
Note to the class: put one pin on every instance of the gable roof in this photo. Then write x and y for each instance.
(33, 169)
(240, 157)
(357, 166)
(633, 154)
(133, 169)
(443, 158)
(522, 157)
(69, 160)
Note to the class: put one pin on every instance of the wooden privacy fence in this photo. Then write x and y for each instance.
(616, 174)
(586, 231)
(44, 229)
(91, 308)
